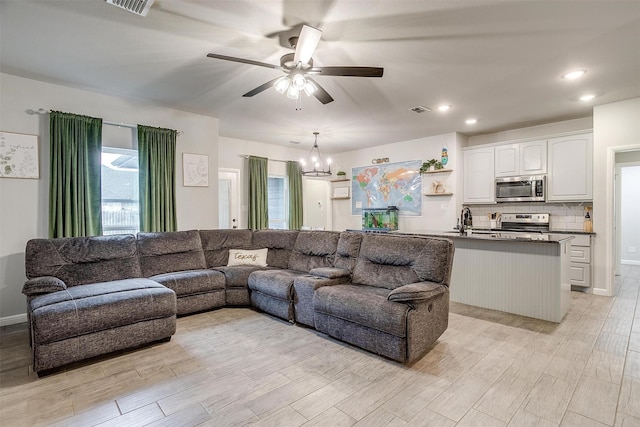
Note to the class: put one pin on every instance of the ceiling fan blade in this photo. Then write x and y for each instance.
(243, 61)
(307, 43)
(261, 88)
(347, 71)
(321, 94)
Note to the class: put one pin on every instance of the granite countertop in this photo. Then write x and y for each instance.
(590, 233)
(493, 236)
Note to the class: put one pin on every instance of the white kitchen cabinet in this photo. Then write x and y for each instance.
(580, 261)
(570, 162)
(507, 160)
(479, 175)
(526, 158)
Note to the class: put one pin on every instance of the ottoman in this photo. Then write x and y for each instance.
(89, 320)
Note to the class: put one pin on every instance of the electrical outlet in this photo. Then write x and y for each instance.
(632, 249)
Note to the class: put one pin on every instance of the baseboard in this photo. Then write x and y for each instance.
(12, 320)
(629, 262)
(601, 292)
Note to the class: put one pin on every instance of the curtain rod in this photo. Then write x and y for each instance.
(246, 156)
(104, 122)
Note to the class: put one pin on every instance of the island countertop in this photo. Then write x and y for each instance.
(492, 236)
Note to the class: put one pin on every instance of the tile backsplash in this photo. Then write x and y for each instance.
(561, 216)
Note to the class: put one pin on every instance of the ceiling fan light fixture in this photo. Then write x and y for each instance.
(292, 92)
(282, 84)
(298, 81)
(310, 88)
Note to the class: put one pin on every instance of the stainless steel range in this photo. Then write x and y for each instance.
(525, 222)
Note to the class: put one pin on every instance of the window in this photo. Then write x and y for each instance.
(120, 201)
(277, 197)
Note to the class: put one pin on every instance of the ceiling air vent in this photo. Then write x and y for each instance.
(420, 109)
(139, 7)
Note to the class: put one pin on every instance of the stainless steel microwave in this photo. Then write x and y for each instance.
(521, 189)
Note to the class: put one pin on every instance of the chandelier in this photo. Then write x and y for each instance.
(315, 162)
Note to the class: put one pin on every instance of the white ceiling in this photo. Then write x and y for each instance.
(498, 61)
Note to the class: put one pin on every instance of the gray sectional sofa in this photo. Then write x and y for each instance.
(88, 296)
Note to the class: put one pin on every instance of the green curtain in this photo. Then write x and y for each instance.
(75, 175)
(157, 164)
(258, 205)
(294, 172)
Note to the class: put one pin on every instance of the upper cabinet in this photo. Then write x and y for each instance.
(479, 176)
(570, 168)
(526, 158)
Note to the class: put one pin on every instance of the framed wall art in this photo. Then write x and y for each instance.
(19, 156)
(195, 170)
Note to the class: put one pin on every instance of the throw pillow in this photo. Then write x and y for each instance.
(256, 258)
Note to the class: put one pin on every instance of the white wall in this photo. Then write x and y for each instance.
(630, 215)
(24, 202)
(438, 213)
(615, 127)
(232, 152)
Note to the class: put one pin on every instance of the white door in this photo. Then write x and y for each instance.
(317, 204)
(228, 198)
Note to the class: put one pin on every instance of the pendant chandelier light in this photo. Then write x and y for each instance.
(314, 160)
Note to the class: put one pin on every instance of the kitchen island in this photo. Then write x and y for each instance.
(521, 275)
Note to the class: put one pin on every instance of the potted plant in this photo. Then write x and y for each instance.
(426, 166)
(341, 175)
(438, 165)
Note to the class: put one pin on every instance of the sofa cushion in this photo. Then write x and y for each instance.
(81, 260)
(347, 251)
(237, 276)
(191, 282)
(389, 261)
(169, 252)
(216, 244)
(314, 249)
(255, 257)
(364, 305)
(275, 283)
(90, 308)
(279, 243)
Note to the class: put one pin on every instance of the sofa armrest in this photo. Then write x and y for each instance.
(416, 292)
(43, 285)
(330, 272)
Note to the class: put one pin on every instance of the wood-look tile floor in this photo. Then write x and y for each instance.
(236, 367)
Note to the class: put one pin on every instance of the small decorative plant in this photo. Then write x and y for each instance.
(426, 166)
(438, 165)
(341, 174)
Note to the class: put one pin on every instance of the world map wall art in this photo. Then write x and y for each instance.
(389, 184)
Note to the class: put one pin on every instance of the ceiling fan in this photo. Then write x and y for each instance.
(298, 67)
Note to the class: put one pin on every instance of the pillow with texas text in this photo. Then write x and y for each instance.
(255, 258)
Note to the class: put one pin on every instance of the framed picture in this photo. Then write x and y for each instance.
(18, 155)
(195, 170)
(340, 193)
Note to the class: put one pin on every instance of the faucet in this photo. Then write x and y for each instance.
(465, 219)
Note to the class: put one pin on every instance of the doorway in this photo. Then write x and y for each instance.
(317, 204)
(228, 198)
(627, 209)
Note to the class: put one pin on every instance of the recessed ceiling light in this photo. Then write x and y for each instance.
(572, 75)
(443, 108)
(586, 98)
(471, 121)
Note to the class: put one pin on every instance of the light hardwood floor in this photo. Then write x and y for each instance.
(237, 367)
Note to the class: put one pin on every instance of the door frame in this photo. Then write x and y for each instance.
(236, 202)
(610, 222)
